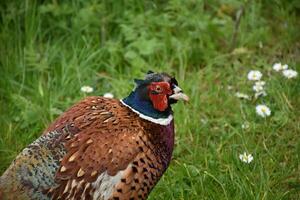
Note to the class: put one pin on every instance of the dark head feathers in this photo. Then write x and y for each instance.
(150, 72)
(153, 77)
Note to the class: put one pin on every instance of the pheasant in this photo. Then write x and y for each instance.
(101, 148)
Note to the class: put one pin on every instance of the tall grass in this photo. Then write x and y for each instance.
(49, 49)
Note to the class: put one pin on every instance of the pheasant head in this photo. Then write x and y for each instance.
(154, 96)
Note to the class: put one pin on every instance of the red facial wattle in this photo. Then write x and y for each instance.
(159, 98)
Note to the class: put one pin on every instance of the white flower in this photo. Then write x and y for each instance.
(289, 73)
(263, 110)
(261, 83)
(242, 95)
(254, 75)
(258, 88)
(279, 67)
(229, 87)
(203, 121)
(285, 66)
(108, 95)
(245, 125)
(261, 93)
(246, 158)
(86, 89)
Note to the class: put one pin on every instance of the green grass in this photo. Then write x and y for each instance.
(49, 50)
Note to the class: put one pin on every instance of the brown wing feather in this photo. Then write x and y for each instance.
(107, 141)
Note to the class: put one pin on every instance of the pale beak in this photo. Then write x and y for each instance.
(178, 94)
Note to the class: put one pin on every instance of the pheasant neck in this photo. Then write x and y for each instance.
(146, 110)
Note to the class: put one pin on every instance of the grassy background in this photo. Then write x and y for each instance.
(49, 49)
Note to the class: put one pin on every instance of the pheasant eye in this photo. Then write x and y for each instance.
(158, 88)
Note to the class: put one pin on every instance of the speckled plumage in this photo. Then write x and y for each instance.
(98, 149)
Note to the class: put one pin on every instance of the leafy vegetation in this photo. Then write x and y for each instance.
(49, 49)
